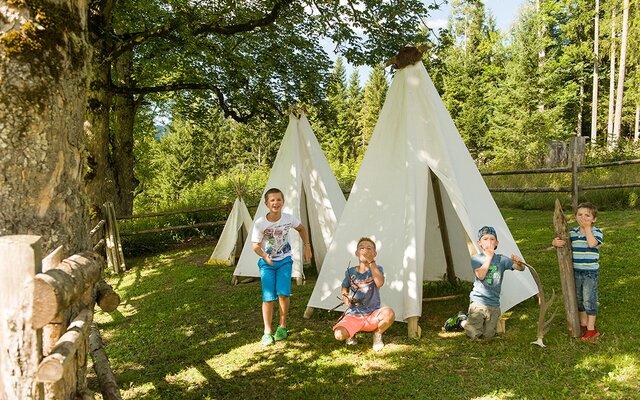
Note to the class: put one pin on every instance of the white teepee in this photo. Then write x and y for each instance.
(235, 230)
(420, 196)
(311, 194)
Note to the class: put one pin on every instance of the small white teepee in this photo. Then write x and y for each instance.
(421, 198)
(235, 230)
(311, 193)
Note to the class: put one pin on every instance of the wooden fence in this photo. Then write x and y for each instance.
(575, 169)
(46, 326)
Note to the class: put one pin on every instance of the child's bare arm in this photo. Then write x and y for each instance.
(557, 242)
(305, 239)
(481, 272)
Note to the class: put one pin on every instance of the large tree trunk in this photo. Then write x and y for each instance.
(596, 65)
(612, 77)
(123, 159)
(617, 121)
(42, 103)
(99, 179)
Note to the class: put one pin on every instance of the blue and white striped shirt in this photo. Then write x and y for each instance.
(585, 258)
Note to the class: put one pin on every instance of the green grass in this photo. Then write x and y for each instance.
(184, 332)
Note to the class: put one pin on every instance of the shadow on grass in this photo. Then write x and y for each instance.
(184, 332)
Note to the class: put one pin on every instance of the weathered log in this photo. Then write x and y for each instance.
(59, 287)
(106, 380)
(107, 298)
(52, 367)
(20, 261)
(53, 259)
(566, 272)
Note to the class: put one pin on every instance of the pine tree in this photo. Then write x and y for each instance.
(375, 91)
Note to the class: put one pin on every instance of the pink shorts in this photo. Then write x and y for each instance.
(355, 323)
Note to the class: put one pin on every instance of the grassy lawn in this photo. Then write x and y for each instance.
(184, 332)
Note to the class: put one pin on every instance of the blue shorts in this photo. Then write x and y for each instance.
(276, 279)
(587, 291)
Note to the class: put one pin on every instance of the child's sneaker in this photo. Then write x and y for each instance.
(377, 341)
(267, 339)
(590, 335)
(281, 333)
(454, 323)
(352, 340)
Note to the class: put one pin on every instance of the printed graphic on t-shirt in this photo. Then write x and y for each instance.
(493, 276)
(277, 240)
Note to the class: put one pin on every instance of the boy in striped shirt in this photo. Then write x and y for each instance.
(585, 250)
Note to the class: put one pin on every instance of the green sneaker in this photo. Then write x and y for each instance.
(267, 339)
(454, 323)
(281, 333)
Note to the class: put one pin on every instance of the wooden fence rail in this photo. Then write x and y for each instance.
(575, 169)
(45, 319)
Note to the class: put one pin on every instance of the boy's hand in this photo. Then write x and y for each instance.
(557, 242)
(516, 259)
(307, 253)
(267, 259)
(584, 223)
(489, 251)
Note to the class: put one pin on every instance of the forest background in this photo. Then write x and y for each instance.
(162, 104)
(509, 93)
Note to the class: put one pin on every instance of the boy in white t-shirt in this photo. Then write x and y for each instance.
(270, 238)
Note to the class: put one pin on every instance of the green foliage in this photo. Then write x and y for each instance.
(184, 332)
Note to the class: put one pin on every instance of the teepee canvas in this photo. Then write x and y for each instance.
(235, 231)
(421, 198)
(311, 194)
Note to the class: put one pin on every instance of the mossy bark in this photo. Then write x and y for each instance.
(43, 70)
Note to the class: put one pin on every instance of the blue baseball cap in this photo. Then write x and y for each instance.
(487, 230)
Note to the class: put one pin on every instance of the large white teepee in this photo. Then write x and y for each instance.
(311, 193)
(418, 194)
(235, 231)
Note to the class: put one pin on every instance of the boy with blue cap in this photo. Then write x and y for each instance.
(488, 268)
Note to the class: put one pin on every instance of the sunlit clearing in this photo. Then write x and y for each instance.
(499, 394)
(622, 368)
(189, 378)
(139, 391)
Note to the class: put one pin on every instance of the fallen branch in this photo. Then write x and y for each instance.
(543, 326)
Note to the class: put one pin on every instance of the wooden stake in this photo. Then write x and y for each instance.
(414, 330)
(566, 272)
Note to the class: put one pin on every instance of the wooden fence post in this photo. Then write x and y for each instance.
(113, 246)
(20, 261)
(566, 272)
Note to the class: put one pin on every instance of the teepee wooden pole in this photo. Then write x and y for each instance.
(566, 272)
(442, 223)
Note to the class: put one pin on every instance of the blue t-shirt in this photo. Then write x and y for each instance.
(487, 290)
(367, 294)
(585, 258)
